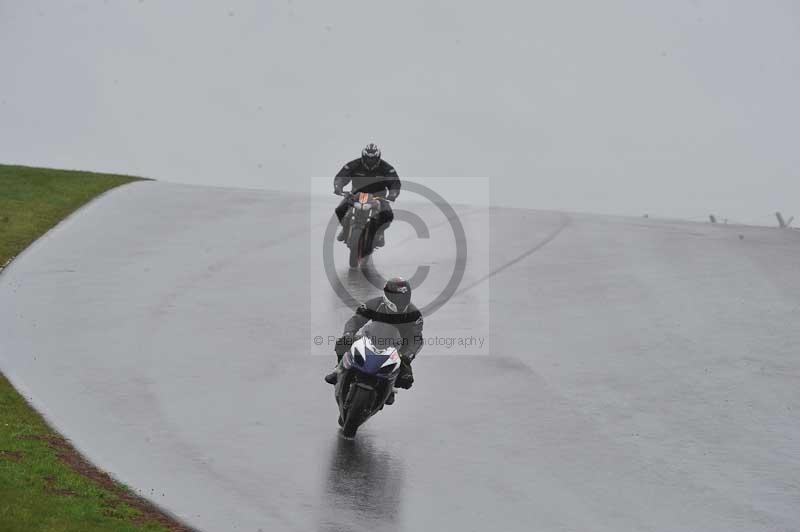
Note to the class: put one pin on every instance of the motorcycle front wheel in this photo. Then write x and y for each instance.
(357, 250)
(358, 411)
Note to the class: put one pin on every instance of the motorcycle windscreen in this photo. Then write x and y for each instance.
(383, 336)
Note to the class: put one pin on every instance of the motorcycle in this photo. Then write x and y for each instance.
(367, 374)
(361, 226)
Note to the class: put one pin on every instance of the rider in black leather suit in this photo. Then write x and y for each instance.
(394, 308)
(370, 174)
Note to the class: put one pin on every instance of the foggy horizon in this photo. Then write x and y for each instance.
(678, 110)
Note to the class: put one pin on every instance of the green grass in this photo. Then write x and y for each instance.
(44, 484)
(32, 200)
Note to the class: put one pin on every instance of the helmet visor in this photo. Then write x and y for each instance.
(397, 302)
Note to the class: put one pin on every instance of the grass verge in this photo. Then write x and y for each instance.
(45, 485)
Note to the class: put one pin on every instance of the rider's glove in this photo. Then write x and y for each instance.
(392, 195)
(338, 190)
(406, 377)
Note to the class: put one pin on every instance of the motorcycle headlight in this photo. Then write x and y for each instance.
(387, 370)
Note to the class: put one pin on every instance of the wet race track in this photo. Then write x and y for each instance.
(635, 374)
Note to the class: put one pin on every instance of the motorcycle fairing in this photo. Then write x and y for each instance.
(364, 357)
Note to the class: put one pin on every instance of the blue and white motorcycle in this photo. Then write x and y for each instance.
(367, 374)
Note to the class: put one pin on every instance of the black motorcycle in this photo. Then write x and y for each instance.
(361, 225)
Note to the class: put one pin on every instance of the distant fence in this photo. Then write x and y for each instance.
(783, 223)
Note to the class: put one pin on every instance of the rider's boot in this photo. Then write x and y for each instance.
(333, 377)
(390, 399)
(379, 240)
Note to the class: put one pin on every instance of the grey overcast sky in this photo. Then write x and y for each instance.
(675, 108)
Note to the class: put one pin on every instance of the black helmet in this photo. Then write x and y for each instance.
(371, 156)
(397, 294)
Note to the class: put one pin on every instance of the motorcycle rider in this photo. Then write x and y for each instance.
(394, 308)
(370, 174)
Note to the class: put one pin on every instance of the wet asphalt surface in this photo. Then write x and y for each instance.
(634, 375)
